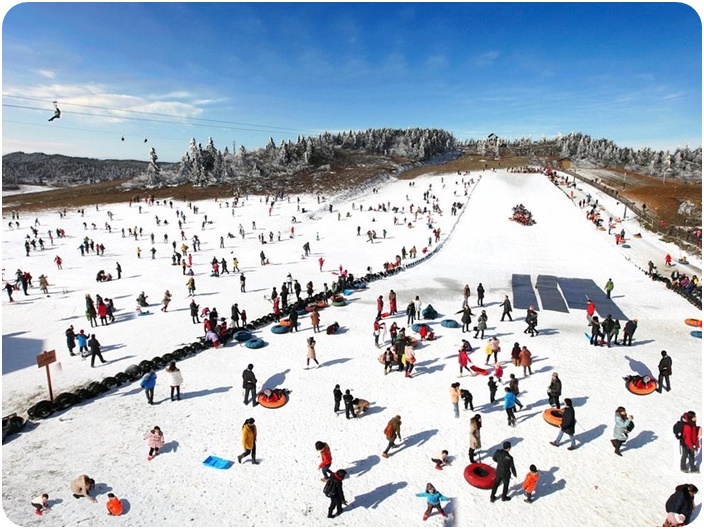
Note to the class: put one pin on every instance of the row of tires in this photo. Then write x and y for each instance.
(63, 401)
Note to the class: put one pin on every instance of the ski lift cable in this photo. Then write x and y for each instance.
(266, 128)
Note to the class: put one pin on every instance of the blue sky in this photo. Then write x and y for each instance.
(243, 72)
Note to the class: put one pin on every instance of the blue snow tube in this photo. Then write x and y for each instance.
(242, 336)
(280, 329)
(347, 292)
(450, 324)
(254, 343)
(417, 326)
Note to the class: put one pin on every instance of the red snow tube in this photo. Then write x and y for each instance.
(553, 416)
(480, 475)
(276, 400)
(638, 387)
(693, 322)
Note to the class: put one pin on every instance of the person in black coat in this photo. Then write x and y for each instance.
(337, 394)
(629, 330)
(554, 391)
(94, 346)
(681, 502)
(504, 469)
(665, 370)
(71, 340)
(349, 407)
(293, 318)
(337, 495)
(249, 383)
(480, 295)
(596, 331)
(567, 426)
(194, 312)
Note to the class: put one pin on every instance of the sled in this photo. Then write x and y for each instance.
(696, 334)
(479, 370)
(589, 337)
(385, 314)
(277, 399)
(217, 462)
(480, 475)
(693, 322)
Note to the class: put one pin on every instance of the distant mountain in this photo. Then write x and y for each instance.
(60, 171)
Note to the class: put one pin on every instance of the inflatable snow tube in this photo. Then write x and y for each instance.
(450, 324)
(242, 336)
(41, 410)
(429, 313)
(413, 342)
(338, 301)
(254, 343)
(318, 304)
(278, 399)
(359, 285)
(134, 372)
(168, 358)
(11, 425)
(636, 386)
(249, 327)
(64, 401)
(696, 334)
(480, 475)
(280, 329)
(418, 326)
(693, 322)
(479, 370)
(197, 347)
(553, 416)
(302, 311)
(285, 322)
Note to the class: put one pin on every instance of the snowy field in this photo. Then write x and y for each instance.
(104, 437)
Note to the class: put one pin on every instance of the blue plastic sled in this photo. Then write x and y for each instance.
(218, 462)
(696, 334)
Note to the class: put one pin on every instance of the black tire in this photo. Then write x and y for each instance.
(123, 378)
(83, 394)
(110, 382)
(158, 362)
(134, 372)
(97, 388)
(168, 358)
(41, 410)
(249, 327)
(64, 401)
(197, 347)
(146, 366)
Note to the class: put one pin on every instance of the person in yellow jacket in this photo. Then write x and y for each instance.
(249, 441)
(455, 398)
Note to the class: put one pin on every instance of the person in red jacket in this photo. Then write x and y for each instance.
(591, 309)
(325, 459)
(103, 313)
(379, 306)
(690, 444)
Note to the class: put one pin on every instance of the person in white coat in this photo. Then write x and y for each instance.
(175, 379)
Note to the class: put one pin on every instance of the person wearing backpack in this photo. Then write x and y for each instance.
(333, 490)
(679, 505)
(689, 443)
(623, 426)
(664, 371)
(392, 432)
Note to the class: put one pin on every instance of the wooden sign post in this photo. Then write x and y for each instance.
(44, 360)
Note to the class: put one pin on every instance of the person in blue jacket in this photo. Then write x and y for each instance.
(510, 405)
(148, 383)
(434, 498)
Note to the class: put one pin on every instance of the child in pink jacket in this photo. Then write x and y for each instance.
(155, 440)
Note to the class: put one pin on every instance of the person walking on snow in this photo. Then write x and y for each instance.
(591, 309)
(504, 469)
(148, 383)
(94, 346)
(392, 432)
(530, 483)
(554, 391)
(155, 440)
(417, 305)
(526, 361)
(325, 459)
(463, 359)
(455, 398)
(311, 353)
(481, 325)
(433, 498)
(337, 494)
(509, 406)
(608, 288)
(507, 308)
(622, 427)
(410, 313)
(480, 295)
(175, 380)
(567, 425)
(466, 318)
(249, 441)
